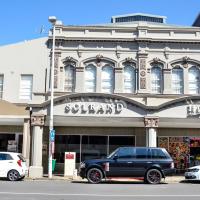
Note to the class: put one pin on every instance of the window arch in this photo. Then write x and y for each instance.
(129, 79)
(156, 80)
(107, 79)
(177, 80)
(90, 78)
(69, 80)
(194, 80)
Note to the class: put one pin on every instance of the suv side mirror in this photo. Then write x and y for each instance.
(115, 157)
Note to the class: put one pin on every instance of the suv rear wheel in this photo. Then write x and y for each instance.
(94, 175)
(153, 176)
(13, 175)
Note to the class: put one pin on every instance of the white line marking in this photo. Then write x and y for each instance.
(100, 195)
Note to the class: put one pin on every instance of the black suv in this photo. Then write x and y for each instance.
(152, 164)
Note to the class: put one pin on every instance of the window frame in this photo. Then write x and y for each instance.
(197, 82)
(181, 87)
(133, 79)
(21, 95)
(112, 80)
(90, 80)
(160, 80)
(73, 82)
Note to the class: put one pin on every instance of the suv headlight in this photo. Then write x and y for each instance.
(82, 165)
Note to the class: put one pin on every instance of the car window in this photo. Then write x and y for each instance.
(21, 158)
(126, 153)
(141, 153)
(158, 154)
(4, 156)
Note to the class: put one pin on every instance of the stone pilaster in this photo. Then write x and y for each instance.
(37, 123)
(26, 141)
(151, 124)
(142, 72)
(118, 80)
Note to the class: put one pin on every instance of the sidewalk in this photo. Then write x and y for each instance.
(169, 179)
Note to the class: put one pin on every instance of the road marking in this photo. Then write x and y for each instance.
(100, 195)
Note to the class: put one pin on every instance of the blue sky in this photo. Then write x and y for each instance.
(23, 19)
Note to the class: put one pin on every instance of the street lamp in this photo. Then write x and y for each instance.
(52, 20)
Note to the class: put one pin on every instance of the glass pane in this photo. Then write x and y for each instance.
(193, 78)
(126, 153)
(93, 147)
(129, 79)
(141, 153)
(26, 87)
(69, 83)
(66, 143)
(156, 80)
(119, 141)
(90, 78)
(107, 83)
(177, 80)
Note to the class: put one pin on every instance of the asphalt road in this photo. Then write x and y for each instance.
(65, 190)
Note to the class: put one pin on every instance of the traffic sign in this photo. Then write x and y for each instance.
(52, 135)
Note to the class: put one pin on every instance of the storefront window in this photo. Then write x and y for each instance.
(179, 149)
(5, 139)
(66, 143)
(93, 147)
(120, 141)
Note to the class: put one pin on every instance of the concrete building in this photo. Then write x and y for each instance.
(134, 81)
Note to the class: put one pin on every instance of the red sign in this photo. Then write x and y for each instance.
(69, 156)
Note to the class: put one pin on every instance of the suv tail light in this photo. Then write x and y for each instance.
(172, 165)
(19, 162)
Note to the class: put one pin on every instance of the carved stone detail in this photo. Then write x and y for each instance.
(142, 83)
(185, 61)
(151, 122)
(156, 60)
(99, 57)
(142, 73)
(129, 60)
(142, 64)
(37, 120)
(56, 66)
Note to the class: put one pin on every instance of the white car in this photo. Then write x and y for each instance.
(193, 173)
(12, 166)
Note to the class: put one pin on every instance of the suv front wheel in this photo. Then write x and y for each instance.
(94, 175)
(153, 176)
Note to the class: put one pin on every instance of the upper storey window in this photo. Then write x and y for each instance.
(90, 78)
(177, 80)
(26, 85)
(156, 80)
(69, 80)
(107, 79)
(129, 79)
(194, 80)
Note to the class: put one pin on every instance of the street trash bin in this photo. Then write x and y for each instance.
(53, 164)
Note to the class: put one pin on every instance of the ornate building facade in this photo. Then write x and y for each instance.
(132, 82)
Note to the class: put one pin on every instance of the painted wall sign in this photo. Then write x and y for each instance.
(94, 108)
(193, 110)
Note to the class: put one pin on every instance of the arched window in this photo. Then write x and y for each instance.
(107, 79)
(129, 79)
(90, 78)
(194, 80)
(177, 80)
(69, 80)
(156, 80)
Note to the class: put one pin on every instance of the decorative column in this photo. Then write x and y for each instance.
(151, 124)
(167, 81)
(79, 79)
(36, 169)
(26, 141)
(142, 72)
